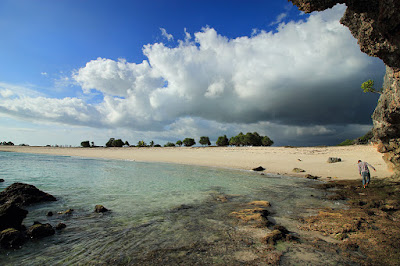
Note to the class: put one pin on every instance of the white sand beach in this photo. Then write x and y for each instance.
(276, 160)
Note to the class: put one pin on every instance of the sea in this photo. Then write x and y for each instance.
(160, 214)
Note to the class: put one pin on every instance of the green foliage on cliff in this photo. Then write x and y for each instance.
(368, 86)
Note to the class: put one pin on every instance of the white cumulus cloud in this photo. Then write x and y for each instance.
(307, 74)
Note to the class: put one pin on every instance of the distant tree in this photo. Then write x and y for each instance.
(222, 141)
(179, 143)
(126, 143)
(151, 143)
(266, 141)
(157, 145)
(188, 142)
(169, 144)
(92, 144)
(110, 142)
(205, 141)
(85, 144)
(237, 140)
(368, 86)
(118, 143)
(141, 143)
(250, 139)
(114, 143)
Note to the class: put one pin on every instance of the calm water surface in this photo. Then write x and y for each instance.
(157, 210)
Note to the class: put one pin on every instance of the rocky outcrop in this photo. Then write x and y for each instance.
(24, 194)
(376, 26)
(100, 209)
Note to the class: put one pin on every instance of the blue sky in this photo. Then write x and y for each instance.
(165, 70)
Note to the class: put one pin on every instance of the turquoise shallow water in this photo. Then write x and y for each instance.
(156, 208)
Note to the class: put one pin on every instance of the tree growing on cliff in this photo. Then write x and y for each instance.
(188, 142)
(368, 86)
(205, 141)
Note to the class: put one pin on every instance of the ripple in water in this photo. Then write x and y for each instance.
(160, 213)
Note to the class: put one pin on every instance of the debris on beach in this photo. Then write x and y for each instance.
(334, 160)
(308, 176)
(298, 170)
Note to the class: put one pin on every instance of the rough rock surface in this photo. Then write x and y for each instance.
(24, 194)
(11, 238)
(376, 26)
(100, 208)
(11, 216)
(40, 230)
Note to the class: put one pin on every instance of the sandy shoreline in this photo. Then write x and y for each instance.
(279, 160)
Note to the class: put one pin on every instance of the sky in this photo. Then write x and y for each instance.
(158, 70)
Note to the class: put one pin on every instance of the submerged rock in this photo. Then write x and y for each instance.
(68, 212)
(11, 216)
(24, 194)
(40, 230)
(11, 238)
(100, 208)
(1, 180)
(60, 226)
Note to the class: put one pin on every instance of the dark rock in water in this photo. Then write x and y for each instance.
(100, 208)
(279, 233)
(49, 214)
(298, 170)
(68, 212)
(334, 160)
(311, 176)
(11, 238)
(60, 226)
(259, 169)
(23, 194)
(11, 216)
(1, 180)
(40, 230)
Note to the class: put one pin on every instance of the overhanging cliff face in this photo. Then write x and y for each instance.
(376, 26)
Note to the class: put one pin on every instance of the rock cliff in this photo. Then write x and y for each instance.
(376, 26)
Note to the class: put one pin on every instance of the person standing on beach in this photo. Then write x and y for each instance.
(364, 172)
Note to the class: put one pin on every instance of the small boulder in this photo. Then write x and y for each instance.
(49, 214)
(298, 170)
(60, 226)
(259, 169)
(11, 238)
(100, 208)
(40, 230)
(1, 180)
(311, 176)
(68, 212)
(334, 160)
